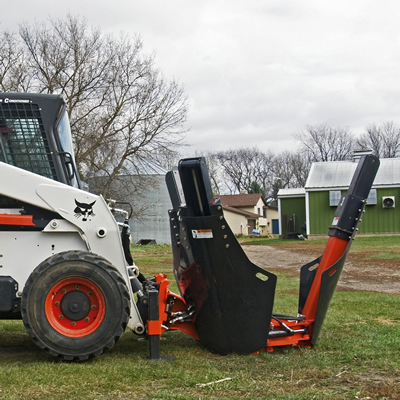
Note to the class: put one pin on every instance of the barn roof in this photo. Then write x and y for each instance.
(337, 174)
(292, 192)
(142, 166)
(147, 167)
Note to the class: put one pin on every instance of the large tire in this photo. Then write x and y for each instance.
(75, 305)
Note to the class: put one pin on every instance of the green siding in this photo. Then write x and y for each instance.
(375, 220)
(293, 206)
(320, 213)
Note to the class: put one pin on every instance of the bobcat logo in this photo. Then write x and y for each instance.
(84, 210)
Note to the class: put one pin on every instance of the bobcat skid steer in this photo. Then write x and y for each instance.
(66, 270)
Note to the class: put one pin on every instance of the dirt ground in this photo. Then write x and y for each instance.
(358, 274)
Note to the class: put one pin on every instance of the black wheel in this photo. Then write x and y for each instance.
(75, 305)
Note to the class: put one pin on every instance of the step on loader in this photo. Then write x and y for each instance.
(66, 268)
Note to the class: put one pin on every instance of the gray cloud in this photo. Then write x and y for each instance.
(256, 72)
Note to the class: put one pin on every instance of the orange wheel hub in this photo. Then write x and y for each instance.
(75, 307)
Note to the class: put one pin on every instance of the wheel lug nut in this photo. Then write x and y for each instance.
(93, 307)
(87, 319)
(77, 287)
(73, 323)
(64, 291)
(57, 303)
(61, 316)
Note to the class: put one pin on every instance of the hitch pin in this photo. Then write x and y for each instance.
(181, 316)
(286, 327)
(189, 312)
(178, 313)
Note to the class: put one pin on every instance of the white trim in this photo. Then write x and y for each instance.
(395, 186)
(327, 189)
(279, 217)
(307, 214)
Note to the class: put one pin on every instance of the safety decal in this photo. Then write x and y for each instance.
(335, 221)
(202, 233)
(84, 210)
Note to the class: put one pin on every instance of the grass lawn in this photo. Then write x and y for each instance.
(380, 247)
(357, 355)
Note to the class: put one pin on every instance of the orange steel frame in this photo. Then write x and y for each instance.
(170, 303)
(298, 331)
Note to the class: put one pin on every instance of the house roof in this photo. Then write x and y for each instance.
(241, 200)
(339, 173)
(247, 214)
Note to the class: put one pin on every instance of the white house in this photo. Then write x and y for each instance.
(245, 212)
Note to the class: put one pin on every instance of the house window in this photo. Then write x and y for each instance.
(372, 198)
(264, 213)
(334, 197)
(259, 211)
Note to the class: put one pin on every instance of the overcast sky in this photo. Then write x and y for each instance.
(256, 72)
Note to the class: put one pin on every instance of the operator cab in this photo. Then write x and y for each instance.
(35, 135)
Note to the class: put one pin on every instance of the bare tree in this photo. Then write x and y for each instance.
(292, 168)
(301, 164)
(263, 164)
(283, 170)
(240, 167)
(246, 169)
(384, 141)
(290, 171)
(120, 106)
(14, 74)
(166, 157)
(261, 172)
(326, 143)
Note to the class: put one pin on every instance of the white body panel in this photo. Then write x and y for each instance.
(21, 252)
(95, 231)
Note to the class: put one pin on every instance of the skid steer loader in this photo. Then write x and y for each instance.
(66, 269)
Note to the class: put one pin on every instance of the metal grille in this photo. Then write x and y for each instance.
(23, 138)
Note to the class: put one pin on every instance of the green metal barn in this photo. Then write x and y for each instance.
(292, 212)
(328, 181)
